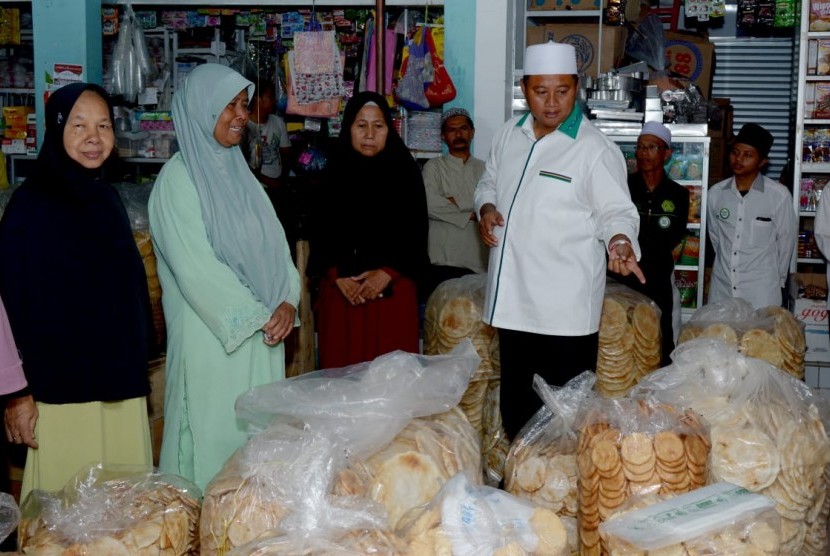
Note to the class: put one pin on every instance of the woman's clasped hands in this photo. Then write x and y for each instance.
(280, 325)
(364, 287)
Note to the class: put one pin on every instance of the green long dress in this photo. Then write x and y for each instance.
(215, 346)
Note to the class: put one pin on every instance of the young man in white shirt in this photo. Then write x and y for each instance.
(752, 226)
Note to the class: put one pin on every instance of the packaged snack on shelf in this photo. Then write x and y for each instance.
(823, 57)
(822, 96)
(686, 283)
(691, 250)
(695, 202)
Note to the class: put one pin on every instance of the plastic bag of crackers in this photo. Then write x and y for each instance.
(541, 464)
(721, 518)
(111, 510)
(344, 450)
(629, 340)
(453, 313)
(465, 519)
(631, 447)
(769, 333)
(768, 432)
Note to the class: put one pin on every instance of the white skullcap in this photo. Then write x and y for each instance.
(550, 58)
(658, 130)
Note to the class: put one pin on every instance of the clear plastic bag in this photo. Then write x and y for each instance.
(453, 313)
(768, 432)
(769, 333)
(469, 520)
(629, 339)
(113, 510)
(541, 464)
(343, 449)
(9, 515)
(629, 447)
(131, 68)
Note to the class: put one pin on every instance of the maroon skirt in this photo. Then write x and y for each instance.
(348, 334)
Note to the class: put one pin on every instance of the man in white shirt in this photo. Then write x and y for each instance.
(553, 203)
(752, 225)
(455, 248)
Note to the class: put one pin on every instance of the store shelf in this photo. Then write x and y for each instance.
(817, 78)
(816, 168)
(693, 226)
(690, 267)
(807, 213)
(815, 121)
(802, 260)
(692, 183)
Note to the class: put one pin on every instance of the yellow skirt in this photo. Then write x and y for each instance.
(73, 436)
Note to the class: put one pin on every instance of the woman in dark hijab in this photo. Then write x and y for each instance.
(369, 244)
(76, 294)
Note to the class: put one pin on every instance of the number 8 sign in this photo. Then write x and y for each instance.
(683, 58)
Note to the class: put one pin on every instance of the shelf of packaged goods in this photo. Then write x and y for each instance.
(802, 260)
(815, 168)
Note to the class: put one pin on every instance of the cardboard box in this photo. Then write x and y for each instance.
(584, 37)
(692, 57)
(813, 313)
(564, 5)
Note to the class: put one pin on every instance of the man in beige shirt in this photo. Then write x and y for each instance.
(455, 248)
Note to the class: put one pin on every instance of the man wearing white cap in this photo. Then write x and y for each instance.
(663, 205)
(552, 202)
(450, 180)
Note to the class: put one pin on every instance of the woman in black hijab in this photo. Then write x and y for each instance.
(76, 295)
(369, 245)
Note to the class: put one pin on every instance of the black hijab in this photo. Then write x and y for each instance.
(71, 276)
(374, 211)
(54, 167)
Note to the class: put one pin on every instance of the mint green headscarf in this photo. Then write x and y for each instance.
(241, 224)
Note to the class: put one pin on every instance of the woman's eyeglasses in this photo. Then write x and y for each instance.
(649, 148)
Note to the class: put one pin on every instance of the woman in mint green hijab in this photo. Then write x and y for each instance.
(230, 288)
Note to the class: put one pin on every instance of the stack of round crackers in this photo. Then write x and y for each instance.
(768, 449)
(772, 334)
(255, 490)
(629, 340)
(454, 313)
(634, 448)
(148, 257)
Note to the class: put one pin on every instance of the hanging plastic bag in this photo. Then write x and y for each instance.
(411, 89)
(441, 89)
(131, 68)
